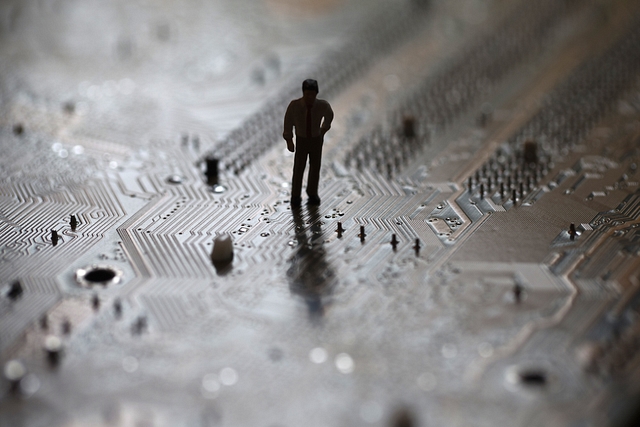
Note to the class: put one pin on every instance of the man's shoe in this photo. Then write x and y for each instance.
(296, 201)
(313, 201)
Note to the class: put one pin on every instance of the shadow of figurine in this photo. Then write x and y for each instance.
(310, 274)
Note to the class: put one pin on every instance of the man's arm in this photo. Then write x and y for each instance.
(288, 128)
(327, 119)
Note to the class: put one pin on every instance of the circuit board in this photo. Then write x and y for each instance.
(474, 260)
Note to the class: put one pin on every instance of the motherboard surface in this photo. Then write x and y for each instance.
(474, 260)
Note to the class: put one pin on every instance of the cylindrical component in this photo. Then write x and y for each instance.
(409, 127)
(530, 154)
(212, 170)
(222, 252)
(14, 371)
(53, 348)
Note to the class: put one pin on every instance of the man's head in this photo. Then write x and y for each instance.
(309, 91)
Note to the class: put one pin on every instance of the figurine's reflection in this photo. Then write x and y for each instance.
(310, 275)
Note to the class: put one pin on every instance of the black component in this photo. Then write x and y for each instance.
(15, 290)
(54, 237)
(18, 129)
(212, 170)
(362, 235)
(340, 230)
(572, 231)
(73, 223)
(482, 191)
(530, 154)
(409, 127)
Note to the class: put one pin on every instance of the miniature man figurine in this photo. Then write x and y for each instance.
(312, 119)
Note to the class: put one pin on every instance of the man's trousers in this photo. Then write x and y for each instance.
(312, 148)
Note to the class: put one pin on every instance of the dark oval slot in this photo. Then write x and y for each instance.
(533, 378)
(100, 275)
